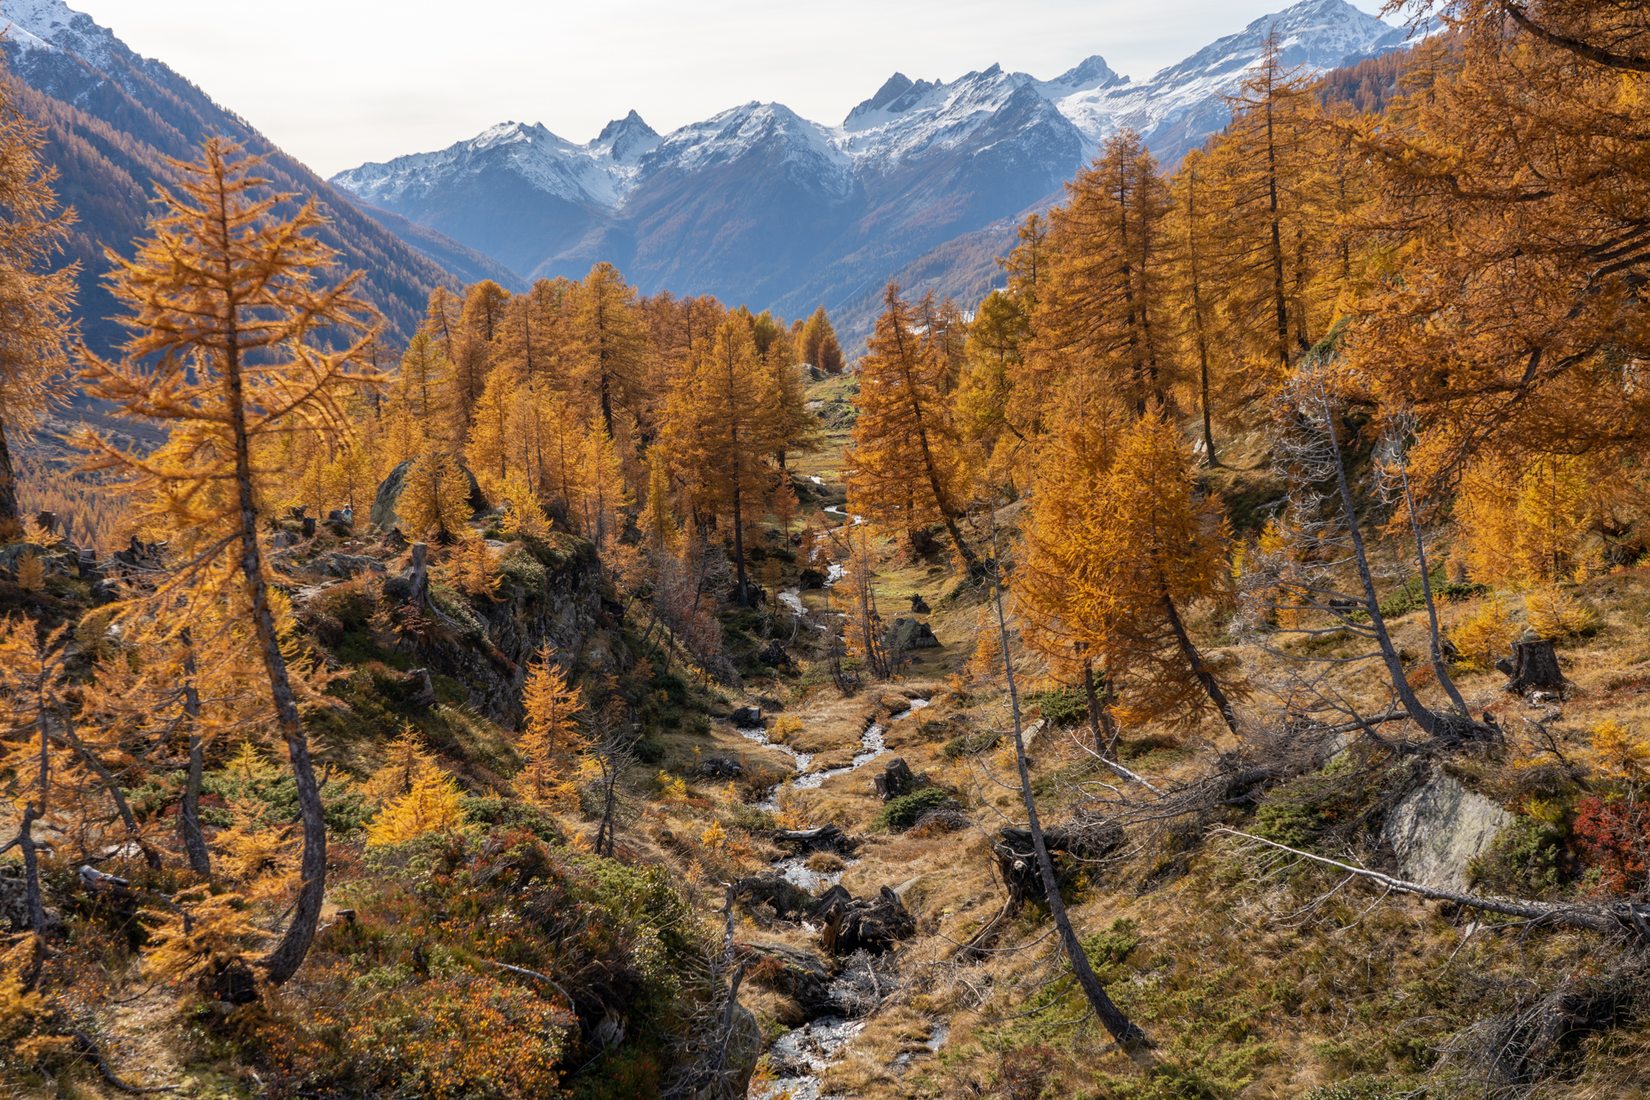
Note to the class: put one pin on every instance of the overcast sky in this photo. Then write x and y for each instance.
(338, 82)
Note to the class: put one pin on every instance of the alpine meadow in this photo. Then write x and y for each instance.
(1084, 587)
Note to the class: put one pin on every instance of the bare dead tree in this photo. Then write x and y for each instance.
(1128, 1035)
(613, 748)
(1393, 484)
(1323, 582)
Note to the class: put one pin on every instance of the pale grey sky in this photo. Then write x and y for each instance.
(338, 82)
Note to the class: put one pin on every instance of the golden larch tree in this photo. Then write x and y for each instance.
(34, 301)
(905, 468)
(236, 339)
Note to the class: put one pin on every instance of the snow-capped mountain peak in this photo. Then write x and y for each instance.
(48, 24)
(625, 140)
(1090, 73)
(51, 27)
(897, 94)
(512, 133)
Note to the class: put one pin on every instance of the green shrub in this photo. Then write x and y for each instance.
(1408, 596)
(1524, 859)
(908, 809)
(1358, 1088)
(522, 569)
(1344, 802)
(1114, 945)
(971, 743)
(1064, 706)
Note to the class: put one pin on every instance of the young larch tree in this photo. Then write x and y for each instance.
(905, 467)
(236, 339)
(551, 735)
(34, 302)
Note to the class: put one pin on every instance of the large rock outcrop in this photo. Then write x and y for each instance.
(550, 595)
(384, 516)
(1438, 829)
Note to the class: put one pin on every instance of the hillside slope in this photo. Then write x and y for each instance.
(113, 119)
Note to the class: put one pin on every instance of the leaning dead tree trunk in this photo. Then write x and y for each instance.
(1631, 919)
(1129, 1036)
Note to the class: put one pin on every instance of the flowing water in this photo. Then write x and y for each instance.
(799, 1056)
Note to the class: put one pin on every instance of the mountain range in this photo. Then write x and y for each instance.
(113, 120)
(924, 181)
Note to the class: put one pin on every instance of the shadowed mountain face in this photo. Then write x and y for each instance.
(923, 180)
(112, 119)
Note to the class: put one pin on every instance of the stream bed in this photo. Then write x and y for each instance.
(802, 1054)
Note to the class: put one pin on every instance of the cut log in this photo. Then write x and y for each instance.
(826, 838)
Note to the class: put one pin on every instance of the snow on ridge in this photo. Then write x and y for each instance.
(1314, 35)
(587, 174)
(51, 25)
(786, 139)
(903, 120)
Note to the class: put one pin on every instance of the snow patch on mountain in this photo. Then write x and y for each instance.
(51, 25)
(1314, 36)
(600, 173)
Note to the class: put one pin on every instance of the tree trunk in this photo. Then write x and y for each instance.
(189, 814)
(941, 502)
(1435, 637)
(1101, 724)
(31, 871)
(283, 962)
(1279, 303)
(1422, 715)
(123, 809)
(9, 516)
(1196, 289)
(1188, 650)
(1125, 1031)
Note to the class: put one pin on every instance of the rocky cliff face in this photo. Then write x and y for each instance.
(367, 603)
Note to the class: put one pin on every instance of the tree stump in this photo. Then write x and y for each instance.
(896, 780)
(420, 689)
(1070, 848)
(419, 581)
(1533, 667)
